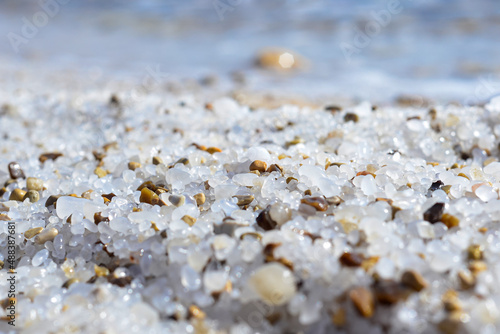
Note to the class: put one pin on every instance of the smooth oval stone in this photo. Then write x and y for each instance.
(274, 283)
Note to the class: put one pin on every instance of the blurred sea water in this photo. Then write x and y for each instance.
(366, 49)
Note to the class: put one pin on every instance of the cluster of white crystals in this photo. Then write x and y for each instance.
(174, 215)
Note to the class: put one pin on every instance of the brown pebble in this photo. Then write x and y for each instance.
(351, 117)
(157, 160)
(69, 282)
(244, 199)
(450, 301)
(449, 220)
(213, 150)
(389, 292)
(98, 218)
(363, 301)
(414, 280)
(150, 197)
(333, 108)
(17, 195)
(434, 213)
(274, 168)
(199, 198)
(15, 171)
(258, 165)
(189, 220)
(184, 161)
(351, 259)
(319, 203)
(49, 156)
(133, 165)
(52, 200)
(265, 221)
(467, 279)
(148, 184)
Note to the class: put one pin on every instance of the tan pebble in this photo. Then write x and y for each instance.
(483, 230)
(339, 317)
(189, 220)
(177, 200)
(363, 301)
(157, 160)
(450, 301)
(369, 263)
(414, 280)
(100, 172)
(199, 198)
(87, 193)
(101, 271)
(477, 266)
(161, 190)
(475, 252)
(33, 183)
(319, 203)
(244, 199)
(108, 146)
(4, 217)
(17, 195)
(334, 200)
(213, 150)
(453, 323)
(258, 165)
(297, 140)
(46, 235)
(290, 179)
(32, 195)
(32, 232)
(133, 165)
(446, 189)
(196, 312)
(274, 283)
(467, 279)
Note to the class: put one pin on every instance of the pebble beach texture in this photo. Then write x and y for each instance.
(175, 215)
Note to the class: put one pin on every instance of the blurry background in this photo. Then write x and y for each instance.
(444, 50)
